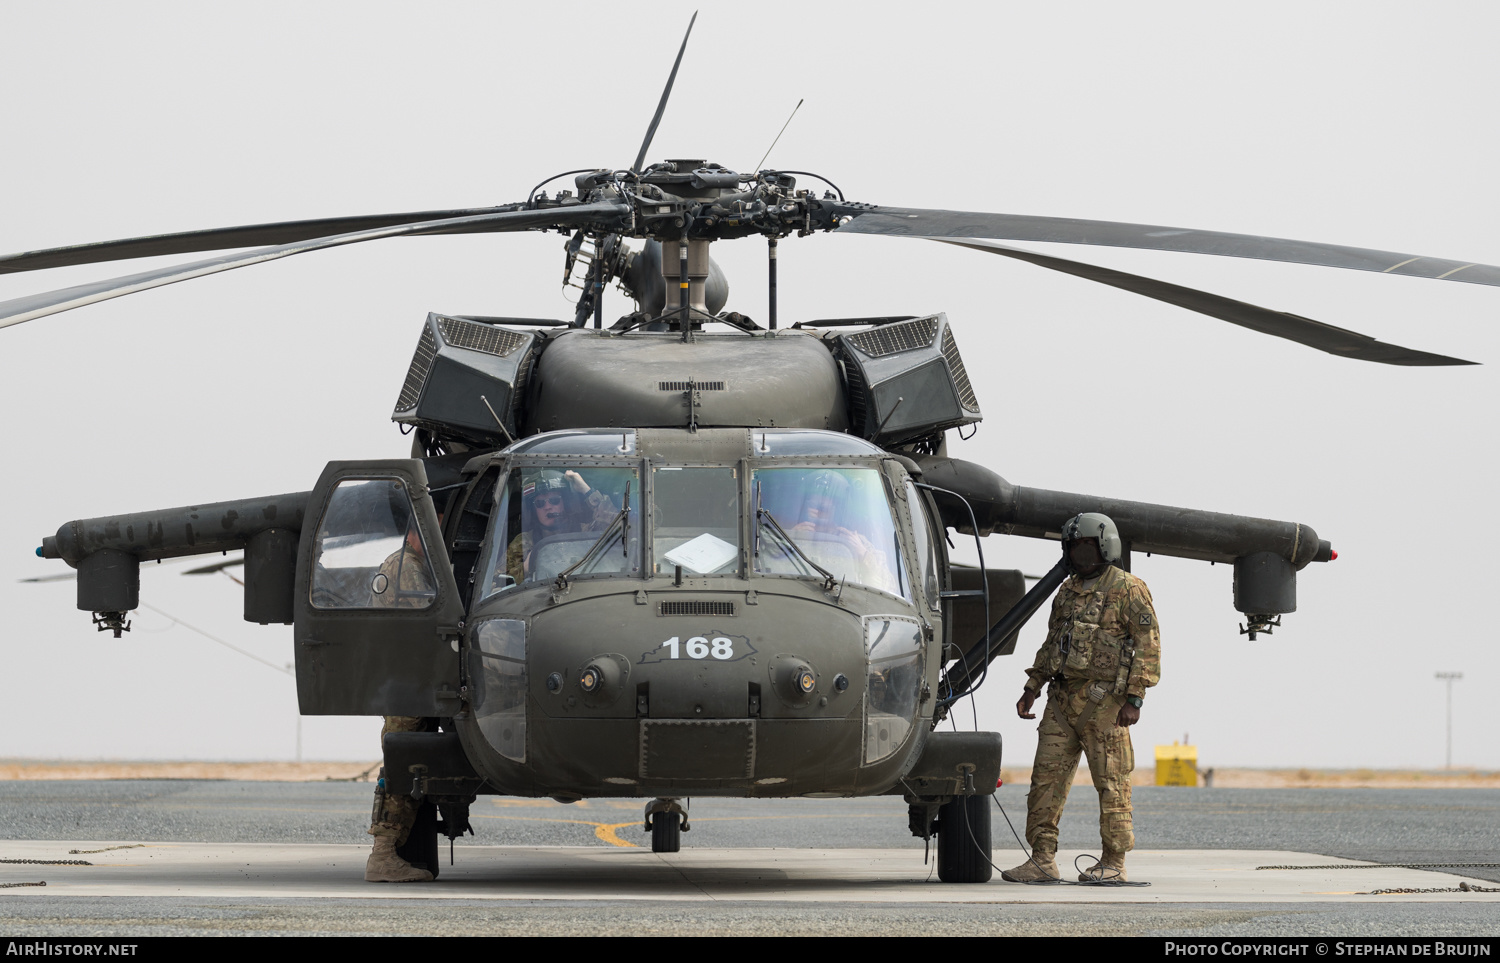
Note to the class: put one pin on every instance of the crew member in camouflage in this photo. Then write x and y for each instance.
(1102, 652)
(391, 820)
(554, 503)
(405, 580)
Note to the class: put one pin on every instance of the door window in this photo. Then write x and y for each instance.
(369, 552)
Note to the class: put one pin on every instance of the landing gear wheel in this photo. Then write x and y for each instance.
(963, 827)
(666, 832)
(421, 848)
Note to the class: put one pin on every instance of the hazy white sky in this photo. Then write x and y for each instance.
(1359, 123)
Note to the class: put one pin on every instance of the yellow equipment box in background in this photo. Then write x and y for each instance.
(1177, 765)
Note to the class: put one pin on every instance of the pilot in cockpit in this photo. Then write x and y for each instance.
(553, 503)
(826, 528)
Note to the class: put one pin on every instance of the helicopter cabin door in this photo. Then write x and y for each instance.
(378, 613)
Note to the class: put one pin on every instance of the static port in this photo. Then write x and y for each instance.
(554, 682)
(841, 682)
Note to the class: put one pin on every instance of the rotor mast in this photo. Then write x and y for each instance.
(687, 273)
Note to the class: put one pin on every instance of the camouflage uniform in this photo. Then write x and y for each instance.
(408, 581)
(394, 814)
(409, 585)
(1103, 644)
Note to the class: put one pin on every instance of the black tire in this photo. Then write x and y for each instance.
(421, 847)
(666, 832)
(964, 840)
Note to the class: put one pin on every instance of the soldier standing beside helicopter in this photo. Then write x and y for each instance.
(1103, 650)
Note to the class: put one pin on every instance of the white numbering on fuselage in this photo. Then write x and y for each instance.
(699, 648)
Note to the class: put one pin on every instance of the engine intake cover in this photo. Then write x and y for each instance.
(917, 362)
(459, 365)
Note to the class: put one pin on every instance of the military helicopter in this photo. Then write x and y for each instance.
(635, 409)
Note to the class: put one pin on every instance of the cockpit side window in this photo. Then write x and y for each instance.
(836, 519)
(922, 542)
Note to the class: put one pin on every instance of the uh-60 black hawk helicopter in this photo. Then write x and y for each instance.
(686, 553)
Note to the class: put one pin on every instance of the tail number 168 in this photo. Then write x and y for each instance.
(699, 648)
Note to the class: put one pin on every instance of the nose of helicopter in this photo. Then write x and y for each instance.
(702, 692)
(696, 657)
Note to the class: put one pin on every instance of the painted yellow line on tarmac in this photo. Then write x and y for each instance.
(607, 833)
(602, 831)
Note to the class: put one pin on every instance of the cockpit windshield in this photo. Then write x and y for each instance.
(557, 517)
(812, 521)
(551, 520)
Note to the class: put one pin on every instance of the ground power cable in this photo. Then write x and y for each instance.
(1058, 880)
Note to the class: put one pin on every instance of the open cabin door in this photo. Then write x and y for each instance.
(378, 612)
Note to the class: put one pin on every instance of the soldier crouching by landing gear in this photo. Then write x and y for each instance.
(1103, 650)
(391, 821)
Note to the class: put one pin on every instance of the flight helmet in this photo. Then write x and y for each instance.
(1094, 525)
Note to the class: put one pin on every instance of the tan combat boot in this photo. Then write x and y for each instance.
(1109, 869)
(1041, 867)
(384, 866)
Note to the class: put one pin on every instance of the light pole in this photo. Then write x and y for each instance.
(1450, 678)
(292, 671)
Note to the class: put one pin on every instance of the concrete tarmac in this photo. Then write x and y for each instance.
(230, 858)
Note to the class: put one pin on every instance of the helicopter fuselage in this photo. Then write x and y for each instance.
(751, 612)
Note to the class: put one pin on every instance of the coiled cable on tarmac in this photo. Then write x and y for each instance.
(1050, 880)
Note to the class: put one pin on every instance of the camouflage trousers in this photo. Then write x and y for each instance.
(394, 813)
(1074, 723)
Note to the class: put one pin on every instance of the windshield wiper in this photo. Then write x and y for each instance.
(764, 515)
(621, 522)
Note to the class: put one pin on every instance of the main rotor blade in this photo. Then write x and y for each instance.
(53, 302)
(640, 159)
(1314, 334)
(915, 222)
(223, 238)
